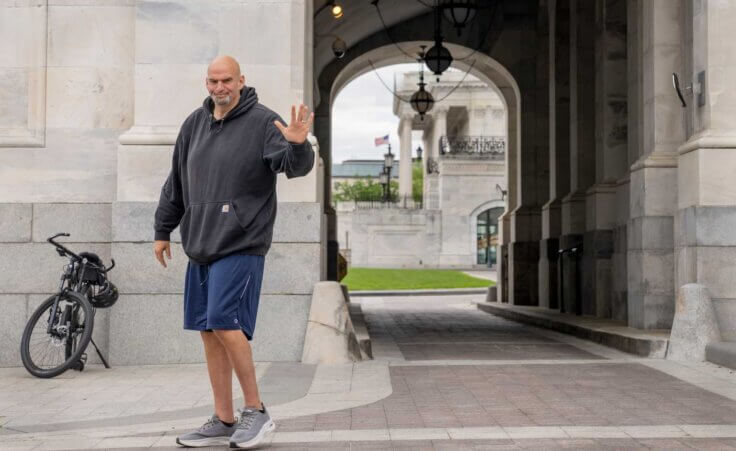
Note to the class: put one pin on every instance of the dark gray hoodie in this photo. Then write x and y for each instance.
(221, 191)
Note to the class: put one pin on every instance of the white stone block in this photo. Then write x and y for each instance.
(84, 222)
(89, 97)
(133, 222)
(272, 20)
(177, 32)
(36, 267)
(12, 322)
(181, 87)
(147, 329)
(280, 328)
(694, 325)
(97, 35)
(15, 222)
(23, 36)
(75, 166)
(14, 89)
(142, 171)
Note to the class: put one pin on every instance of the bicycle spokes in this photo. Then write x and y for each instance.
(52, 349)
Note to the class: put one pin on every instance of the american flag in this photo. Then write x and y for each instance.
(381, 140)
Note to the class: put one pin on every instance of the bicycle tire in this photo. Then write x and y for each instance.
(82, 339)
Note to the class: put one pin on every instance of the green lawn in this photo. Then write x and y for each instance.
(409, 279)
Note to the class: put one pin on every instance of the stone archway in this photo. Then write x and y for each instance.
(482, 66)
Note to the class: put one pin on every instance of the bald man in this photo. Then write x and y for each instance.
(221, 192)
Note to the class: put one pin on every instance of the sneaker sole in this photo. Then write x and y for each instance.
(255, 441)
(209, 441)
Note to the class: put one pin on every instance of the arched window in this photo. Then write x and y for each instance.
(487, 236)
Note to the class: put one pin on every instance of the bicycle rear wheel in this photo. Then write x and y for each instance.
(47, 354)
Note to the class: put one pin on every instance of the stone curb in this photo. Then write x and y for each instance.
(651, 344)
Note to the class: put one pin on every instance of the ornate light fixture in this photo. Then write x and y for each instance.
(459, 12)
(438, 58)
(422, 101)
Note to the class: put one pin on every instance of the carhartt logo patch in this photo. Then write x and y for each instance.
(225, 208)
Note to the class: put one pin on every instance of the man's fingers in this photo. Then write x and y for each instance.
(160, 257)
(168, 252)
(310, 120)
(281, 128)
(293, 113)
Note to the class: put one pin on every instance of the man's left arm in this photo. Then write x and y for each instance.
(287, 149)
(283, 156)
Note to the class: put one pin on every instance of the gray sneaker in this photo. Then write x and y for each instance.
(252, 427)
(213, 432)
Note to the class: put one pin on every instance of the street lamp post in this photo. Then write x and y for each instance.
(388, 163)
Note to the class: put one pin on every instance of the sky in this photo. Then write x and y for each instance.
(362, 112)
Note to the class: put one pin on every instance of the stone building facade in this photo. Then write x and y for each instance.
(464, 175)
(600, 151)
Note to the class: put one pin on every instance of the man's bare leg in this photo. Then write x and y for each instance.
(221, 376)
(241, 359)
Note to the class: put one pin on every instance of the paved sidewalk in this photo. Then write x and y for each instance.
(446, 376)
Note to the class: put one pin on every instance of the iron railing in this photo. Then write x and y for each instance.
(408, 203)
(493, 147)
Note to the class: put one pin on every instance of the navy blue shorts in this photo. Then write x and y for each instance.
(224, 294)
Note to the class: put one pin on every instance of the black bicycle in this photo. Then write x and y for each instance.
(58, 332)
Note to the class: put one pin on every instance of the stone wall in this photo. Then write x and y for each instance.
(145, 325)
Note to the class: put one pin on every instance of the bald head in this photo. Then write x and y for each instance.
(224, 63)
(224, 82)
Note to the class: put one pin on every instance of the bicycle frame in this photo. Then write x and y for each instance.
(70, 274)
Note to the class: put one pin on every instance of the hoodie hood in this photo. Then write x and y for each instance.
(248, 99)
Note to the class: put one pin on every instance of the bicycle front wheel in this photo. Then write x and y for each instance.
(48, 352)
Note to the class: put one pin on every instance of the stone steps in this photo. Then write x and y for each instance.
(361, 330)
(650, 343)
(722, 353)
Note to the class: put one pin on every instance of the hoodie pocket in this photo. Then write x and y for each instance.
(210, 230)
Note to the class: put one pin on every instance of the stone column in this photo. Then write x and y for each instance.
(439, 128)
(513, 139)
(610, 156)
(705, 241)
(405, 125)
(582, 144)
(532, 170)
(431, 181)
(559, 150)
(653, 185)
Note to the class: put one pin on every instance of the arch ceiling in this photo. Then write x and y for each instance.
(359, 22)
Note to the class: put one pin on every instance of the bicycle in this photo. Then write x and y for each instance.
(62, 325)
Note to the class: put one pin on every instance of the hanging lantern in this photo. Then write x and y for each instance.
(459, 12)
(438, 58)
(422, 101)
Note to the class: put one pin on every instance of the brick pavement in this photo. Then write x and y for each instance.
(446, 377)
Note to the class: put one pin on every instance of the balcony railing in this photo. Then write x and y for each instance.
(492, 147)
(367, 203)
